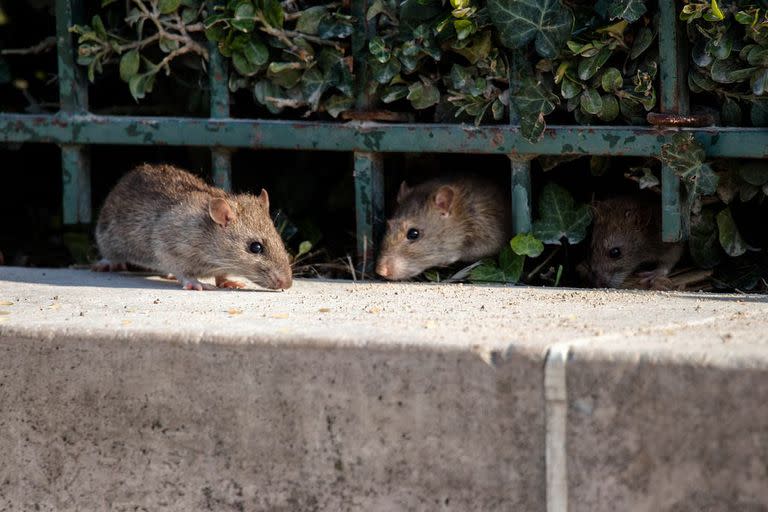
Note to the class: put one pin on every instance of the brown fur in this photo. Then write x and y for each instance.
(633, 225)
(475, 225)
(163, 218)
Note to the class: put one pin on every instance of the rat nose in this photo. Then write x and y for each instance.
(283, 282)
(382, 270)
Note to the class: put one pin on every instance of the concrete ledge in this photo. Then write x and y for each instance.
(120, 392)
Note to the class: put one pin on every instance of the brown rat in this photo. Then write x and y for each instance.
(443, 221)
(163, 218)
(626, 237)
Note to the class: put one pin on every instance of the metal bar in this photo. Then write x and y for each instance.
(368, 166)
(673, 67)
(521, 196)
(221, 158)
(73, 98)
(369, 205)
(370, 137)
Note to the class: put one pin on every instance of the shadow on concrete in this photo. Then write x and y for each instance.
(83, 277)
(706, 296)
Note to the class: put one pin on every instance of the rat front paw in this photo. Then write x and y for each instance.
(106, 265)
(655, 280)
(194, 284)
(223, 282)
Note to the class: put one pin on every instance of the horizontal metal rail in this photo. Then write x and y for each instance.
(370, 137)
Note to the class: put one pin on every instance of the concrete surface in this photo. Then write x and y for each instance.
(121, 392)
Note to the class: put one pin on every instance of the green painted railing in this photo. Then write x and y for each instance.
(74, 129)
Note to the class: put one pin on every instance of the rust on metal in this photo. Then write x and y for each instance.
(680, 120)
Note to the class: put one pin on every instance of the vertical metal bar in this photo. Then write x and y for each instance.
(221, 158)
(369, 205)
(673, 67)
(368, 167)
(521, 196)
(73, 97)
(520, 173)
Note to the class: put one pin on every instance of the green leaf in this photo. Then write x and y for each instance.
(273, 13)
(715, 10)
(560, 217)
(394, 93)
(686, 156)
(591, 65)
(168, 45)
(703, 243)
(611, 80)
(244, 18)
(337, 104)
(168, 6)
(730, 238)
(525, 244)
(610, 110)
(378, 48)
(464, 28)
(313, 85)
(138, 86)
(546, 22)
(630, 10)
(759, 82)
(335, 26)
(511, 264)
(98, 27)
(304, 248)
(570, 89)
(479, 48)
(310, 18)
(533, 102)
(643, 41)
(284, 74)
(754, 172)
(243, 65)
(383, 73)
(487, 272)
(423, 96)
(591, 102)
(729, 71)
(129, 64)
(263, 90)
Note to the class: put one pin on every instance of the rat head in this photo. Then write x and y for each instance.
(425, 231)
(245, 241)
(618, 245)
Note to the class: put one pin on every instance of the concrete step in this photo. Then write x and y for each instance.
(121, 392)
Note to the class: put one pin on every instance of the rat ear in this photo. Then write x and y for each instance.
(444, 199)
(404, 189)
(264, 198)
(221, 212)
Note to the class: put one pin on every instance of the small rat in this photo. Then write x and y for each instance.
(163, 218)
(443, 221)
(626, 237)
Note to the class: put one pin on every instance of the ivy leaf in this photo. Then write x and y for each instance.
(560, 217)
(383, 73)
(335, 26)
(525, 244)
(730, 238)
(479, 48)
(337, 104)
(168, 6)
(394, 93)
(546, 22)
(284, 74)
(703, 243)
(487, 272)
(423, 96)
(511, 264)
(129, 64)
(313, 85)
(686, 156)
(533, 102)
(630, 10)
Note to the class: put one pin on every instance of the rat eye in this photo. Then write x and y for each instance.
(256, 248)
(614, 253)
(413, 234)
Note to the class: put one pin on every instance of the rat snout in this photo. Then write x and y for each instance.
(281, 280)
(387, 268)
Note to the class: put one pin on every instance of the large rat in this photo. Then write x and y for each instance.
(443, 221)
(626, 237)
(163, 218)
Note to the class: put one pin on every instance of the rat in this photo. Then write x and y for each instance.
(626, 237)
(443, 221)
(166, 219)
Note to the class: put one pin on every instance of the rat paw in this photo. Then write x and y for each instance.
(223, 282)
(194, 284)
(655, 280)
(105, 265)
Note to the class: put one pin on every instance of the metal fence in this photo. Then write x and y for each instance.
(74, 129)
